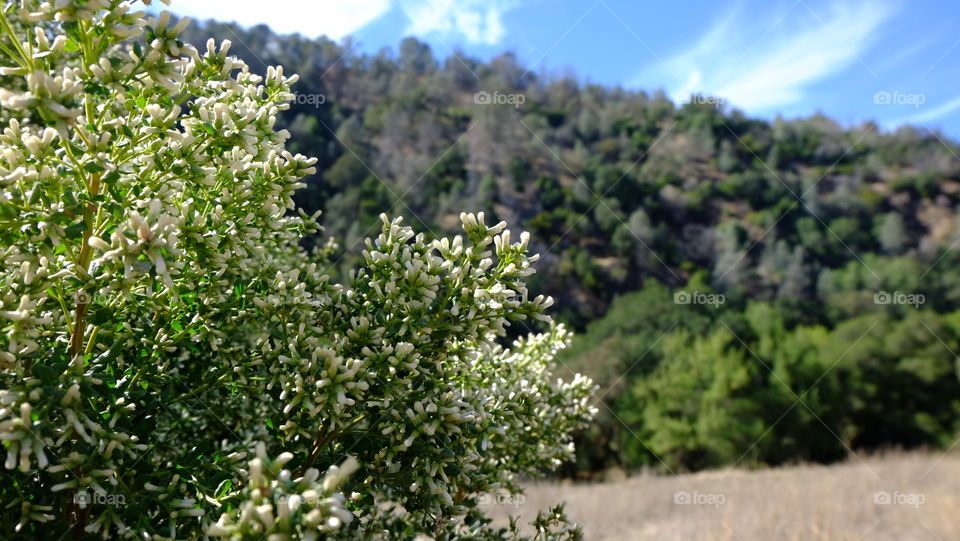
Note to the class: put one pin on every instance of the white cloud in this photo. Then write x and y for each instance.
(936, 113)
(311, 18)
(906, 53)
(762, 66)
(477, 21)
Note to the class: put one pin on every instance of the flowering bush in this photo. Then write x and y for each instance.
(174, 365)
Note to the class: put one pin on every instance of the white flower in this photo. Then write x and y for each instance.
(216, 326)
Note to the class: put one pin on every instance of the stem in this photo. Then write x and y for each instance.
(26, 61)
(79, 328)
(203, 387)
(92, 341)
(11, 54)
(319, 443)
(323, 440)
(66, 310)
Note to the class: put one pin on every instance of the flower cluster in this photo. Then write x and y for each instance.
(280, 507)
(159, 319)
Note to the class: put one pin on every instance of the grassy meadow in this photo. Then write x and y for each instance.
(842, 502)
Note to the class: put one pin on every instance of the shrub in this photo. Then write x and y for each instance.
(696, 410)
(174, 365)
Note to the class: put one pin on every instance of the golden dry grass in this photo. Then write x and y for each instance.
(803, 503)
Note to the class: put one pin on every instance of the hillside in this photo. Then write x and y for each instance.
(745, 291)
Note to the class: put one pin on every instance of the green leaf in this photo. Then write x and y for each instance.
(115, 193)
(111, 177)
(93, 167)
(70, 199)
(97, 90)
(6, 211)
(76, 230)
(101, 315)
(75, 148)
(45, 373)
(224, 487)
(71, 46)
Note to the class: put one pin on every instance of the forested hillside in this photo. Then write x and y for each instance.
(745, 291)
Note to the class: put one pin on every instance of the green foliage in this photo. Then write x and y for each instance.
(799, 223)
(175, 364)
(695, 408)
(692, 386)
(574, 162)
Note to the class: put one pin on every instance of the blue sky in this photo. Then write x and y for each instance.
(893, 61)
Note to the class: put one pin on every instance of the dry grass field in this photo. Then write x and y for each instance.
(893, 497)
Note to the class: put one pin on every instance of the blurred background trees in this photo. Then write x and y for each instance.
(630, 197)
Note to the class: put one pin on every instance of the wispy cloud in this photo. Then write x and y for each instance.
(929, 115)
(909, 52)
(476, 21)
(314, 18)
(762, 65)
(479, 22)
